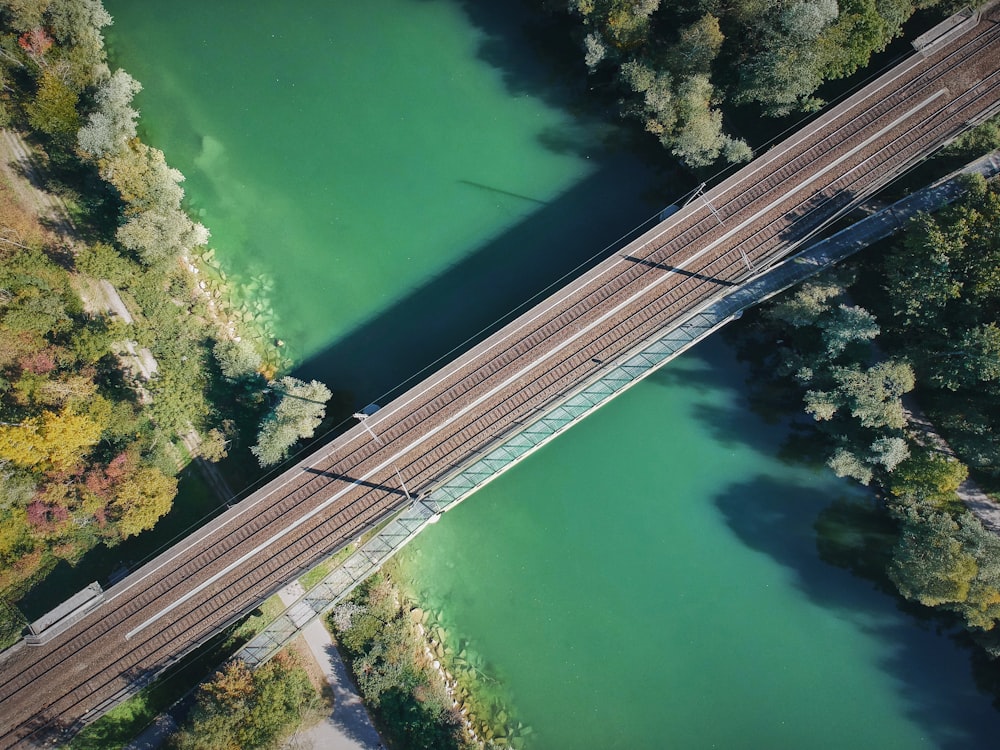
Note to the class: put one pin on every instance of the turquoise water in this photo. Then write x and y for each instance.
(403, 172)
(652, 579)
(352, 153)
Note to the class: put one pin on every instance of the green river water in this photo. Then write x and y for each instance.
(399, 174)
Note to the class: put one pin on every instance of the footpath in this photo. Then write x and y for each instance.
(348, 727)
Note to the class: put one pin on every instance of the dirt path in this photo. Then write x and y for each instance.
(981, 505)
(26, 179)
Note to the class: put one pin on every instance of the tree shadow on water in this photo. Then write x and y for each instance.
(721, 397)
(837, 554)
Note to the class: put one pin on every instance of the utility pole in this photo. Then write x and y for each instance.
(402, 483)
(700, 190)
(362, 417)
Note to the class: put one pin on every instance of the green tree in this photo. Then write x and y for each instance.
(873, 394)
(697, 139)
(112, 124)
(237, 359)
(158, 235)
(846, 464)
(297, 415)
(950, 562)
(243, 710)
(12, 624)
(698, 46)
(25, 15)
(845, 325)
(143, 178)
(929, 563)
(928, 477)
(975, 361)
(53, 110)
(215, 445)
(806, 303)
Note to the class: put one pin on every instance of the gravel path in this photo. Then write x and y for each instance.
(348, 727)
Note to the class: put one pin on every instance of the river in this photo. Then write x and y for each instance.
(393, 177)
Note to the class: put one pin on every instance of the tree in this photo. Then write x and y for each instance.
(297, 415)
(50, 441)
(26, 14)
(237, 359)
(806, 304)
(873, 395)
(215, 445)
(975, 361)
(890, 452)
(36, 43)
(78, 22)
(950, 562)
(698, 139)
(142, 500)
(143, 178)
(846, 464)
(243, 710)
(928, 477)
(110, 127)
(698, 46)
(862, 28)
(847, 324)
(596, 51)
(12, 624)
(929, 564)
(158, 235)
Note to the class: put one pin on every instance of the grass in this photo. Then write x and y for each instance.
(121, 724)
(126, 721)
(323, 569)
(257, 620)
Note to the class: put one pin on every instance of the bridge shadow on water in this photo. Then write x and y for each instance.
(477, 295)
(630, 181)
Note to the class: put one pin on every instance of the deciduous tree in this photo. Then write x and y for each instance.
(110, 127)
(297, 415)
(142, 500)
(51, 441)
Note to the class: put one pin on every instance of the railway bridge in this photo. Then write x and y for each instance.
(713, 245)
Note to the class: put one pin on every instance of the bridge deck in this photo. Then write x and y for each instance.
(186, 594)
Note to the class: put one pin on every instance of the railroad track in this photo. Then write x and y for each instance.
(220, 572)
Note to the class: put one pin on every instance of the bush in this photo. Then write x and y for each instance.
(12, 624)
(243, 710)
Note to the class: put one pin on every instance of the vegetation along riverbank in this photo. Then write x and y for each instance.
(120, 339)
(896, 358)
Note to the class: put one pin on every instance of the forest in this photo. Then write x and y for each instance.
(686, 70)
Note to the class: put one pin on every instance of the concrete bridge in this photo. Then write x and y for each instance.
(496, 395)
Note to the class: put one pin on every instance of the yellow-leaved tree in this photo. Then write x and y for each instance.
(142, 500)
(49, 441)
